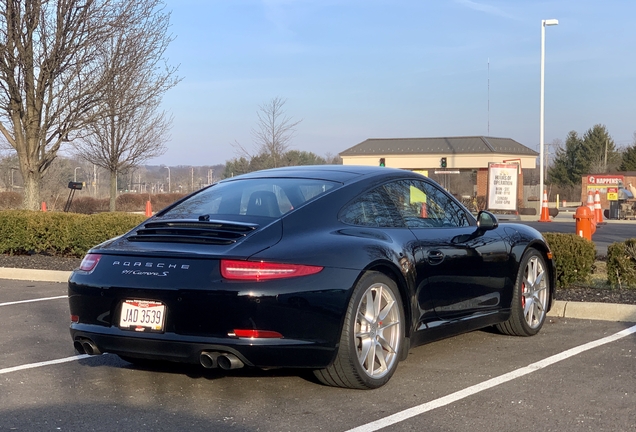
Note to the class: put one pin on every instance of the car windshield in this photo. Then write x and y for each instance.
(265, 197)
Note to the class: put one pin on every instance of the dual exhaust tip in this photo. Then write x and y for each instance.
(225, 361)
(208, 359)
(86, 346)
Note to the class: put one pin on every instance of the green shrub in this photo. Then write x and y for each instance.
(66, 234)
(573, 257)
(621, 264)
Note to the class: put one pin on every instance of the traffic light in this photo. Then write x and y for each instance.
(442, 163)
(382, 162)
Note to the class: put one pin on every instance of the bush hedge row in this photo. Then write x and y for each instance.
(128, 202)
(573, 257)
(65, 234)
(10, 200)
(621, 264)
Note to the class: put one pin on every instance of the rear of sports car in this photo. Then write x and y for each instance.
(194, 284)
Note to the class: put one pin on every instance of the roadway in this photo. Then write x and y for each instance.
(611, 231)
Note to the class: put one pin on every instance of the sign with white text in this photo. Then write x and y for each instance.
(604, 180)
(503, 179)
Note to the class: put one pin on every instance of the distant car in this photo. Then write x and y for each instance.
(340, 269)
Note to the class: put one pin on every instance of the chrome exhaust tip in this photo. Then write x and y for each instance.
(209, 359)
(78, 347)
(89, 347)
(229, 361)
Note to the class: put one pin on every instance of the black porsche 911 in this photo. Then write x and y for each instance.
(340, 269)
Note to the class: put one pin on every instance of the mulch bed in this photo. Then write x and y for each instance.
(574, 293)
(600, 295)
(40, 261)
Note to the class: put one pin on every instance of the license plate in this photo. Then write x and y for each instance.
(142, 315)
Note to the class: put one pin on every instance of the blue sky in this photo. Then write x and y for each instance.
(358, 69)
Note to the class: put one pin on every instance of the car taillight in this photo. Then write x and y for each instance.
(261, 334)
(258, 270)
(89, 262)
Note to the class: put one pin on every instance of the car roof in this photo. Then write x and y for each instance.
(338, 173)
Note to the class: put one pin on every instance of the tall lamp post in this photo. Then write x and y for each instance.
(168, 178)
(544, 23)
(75, 173)
(12, 169)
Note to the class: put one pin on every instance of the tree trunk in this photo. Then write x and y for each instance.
(31, 190)
(113, 190)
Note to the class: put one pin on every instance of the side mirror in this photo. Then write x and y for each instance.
(487, 221)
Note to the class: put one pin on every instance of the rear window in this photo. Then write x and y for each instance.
(251, 197)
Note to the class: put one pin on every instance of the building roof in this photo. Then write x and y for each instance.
(441, 145)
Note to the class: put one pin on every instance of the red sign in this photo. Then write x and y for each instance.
(604, 179)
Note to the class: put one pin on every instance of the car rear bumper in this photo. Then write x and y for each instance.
(307, 312)
(187, 349)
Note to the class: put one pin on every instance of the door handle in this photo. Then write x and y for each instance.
(435, 257)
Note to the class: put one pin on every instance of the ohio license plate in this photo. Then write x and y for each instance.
(142, 315)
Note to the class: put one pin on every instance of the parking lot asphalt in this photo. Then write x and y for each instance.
(575, 375)
(560, 309)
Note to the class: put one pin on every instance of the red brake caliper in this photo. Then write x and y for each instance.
(523, 297)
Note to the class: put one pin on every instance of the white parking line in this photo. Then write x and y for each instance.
(33, 300)
(454, 397)
(45, 363)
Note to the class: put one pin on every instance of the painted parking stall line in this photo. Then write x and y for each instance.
(454, 397)
(44, 363)
(33, 300)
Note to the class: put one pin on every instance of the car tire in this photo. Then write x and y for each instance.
(530, 298)
(372, 337)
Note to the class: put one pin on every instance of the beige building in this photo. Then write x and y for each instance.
(473, 152)
(435, 155)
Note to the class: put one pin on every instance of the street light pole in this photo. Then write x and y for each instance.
(544, 23)
(12, 169)
(168, 178)
(75, 173)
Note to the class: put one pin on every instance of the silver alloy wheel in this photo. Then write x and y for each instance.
(377, 331)
(535, 292)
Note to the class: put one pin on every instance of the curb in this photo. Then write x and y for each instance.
(560, 309)
(594, 311)
(34, 275)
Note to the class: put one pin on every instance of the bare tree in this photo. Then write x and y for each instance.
(273, 133)
(131, 128)
(50, 79)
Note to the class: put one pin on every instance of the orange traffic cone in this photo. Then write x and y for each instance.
(148, 209)
(43, 206)
(590, 204)
(545, 213)
(598, 211)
